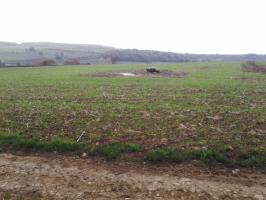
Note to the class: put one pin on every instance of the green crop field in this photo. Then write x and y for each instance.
(215, 108)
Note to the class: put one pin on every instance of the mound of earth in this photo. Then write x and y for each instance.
(141, 74)
(253, 67)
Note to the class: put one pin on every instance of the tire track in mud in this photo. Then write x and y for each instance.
(61, 177)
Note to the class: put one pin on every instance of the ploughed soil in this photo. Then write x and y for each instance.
(165, 73)
(64, 177)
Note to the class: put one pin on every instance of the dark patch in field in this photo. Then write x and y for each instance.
(253, 67)
(204, 67)
(165, 73)
(248, 78)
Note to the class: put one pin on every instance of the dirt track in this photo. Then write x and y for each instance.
(60, 177)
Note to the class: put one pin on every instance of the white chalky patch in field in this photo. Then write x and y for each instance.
(127, 74)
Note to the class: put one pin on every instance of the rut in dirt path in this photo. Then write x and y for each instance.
(48, 177)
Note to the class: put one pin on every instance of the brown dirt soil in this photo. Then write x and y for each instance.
(62, 177)
(253, 67)
(140, 74)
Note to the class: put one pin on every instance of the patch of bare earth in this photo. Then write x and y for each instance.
(253, 67)
(60, 177)
(140, 74)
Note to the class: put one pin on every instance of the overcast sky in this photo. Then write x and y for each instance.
(192, 26)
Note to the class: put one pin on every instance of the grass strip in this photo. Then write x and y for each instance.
(252, 158)
(109, 151)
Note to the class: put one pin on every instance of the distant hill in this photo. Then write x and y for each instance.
(36, 53)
